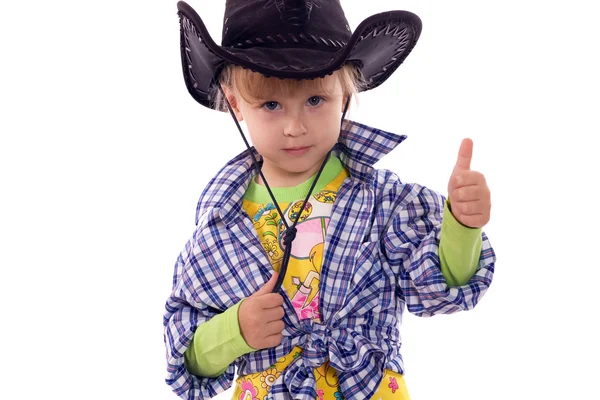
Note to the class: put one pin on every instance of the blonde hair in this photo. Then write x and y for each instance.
(254, 87)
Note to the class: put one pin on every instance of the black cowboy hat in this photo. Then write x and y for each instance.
(298, 39)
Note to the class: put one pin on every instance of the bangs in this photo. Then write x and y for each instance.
(255, 88)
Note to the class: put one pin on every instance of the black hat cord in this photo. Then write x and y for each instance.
(290, 231)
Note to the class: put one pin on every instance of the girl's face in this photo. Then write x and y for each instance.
(293, 132)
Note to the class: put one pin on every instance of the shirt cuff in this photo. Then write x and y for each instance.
(216, 344)
(460, 249)
(237, 340)
(452, 227)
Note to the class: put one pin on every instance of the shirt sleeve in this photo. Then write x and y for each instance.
(460, 247)
(216, 344)
(185, 311)
(411, 244)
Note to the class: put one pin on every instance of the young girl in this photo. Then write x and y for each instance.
(305, 255)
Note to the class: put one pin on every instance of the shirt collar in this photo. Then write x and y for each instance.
(359, 147)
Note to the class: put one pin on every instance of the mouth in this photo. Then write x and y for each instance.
(296, 151)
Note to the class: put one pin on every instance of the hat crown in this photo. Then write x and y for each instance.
(280, 23)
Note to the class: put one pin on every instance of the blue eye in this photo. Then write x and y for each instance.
(315, 101)
(271, 105)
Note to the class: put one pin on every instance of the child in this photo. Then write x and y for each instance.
(304, 254)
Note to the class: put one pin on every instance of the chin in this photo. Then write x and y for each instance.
(295, 168)
(299, 166)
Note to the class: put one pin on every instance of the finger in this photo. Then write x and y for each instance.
(274, 327)
(267, 287)
(273, 314)
(465, 153)
(273, 340)
(469, 208)
(469, 178)
(466, 193)
(270, 300)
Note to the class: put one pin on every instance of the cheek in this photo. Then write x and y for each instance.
(256, 140)
(328, 127)
(262, 137)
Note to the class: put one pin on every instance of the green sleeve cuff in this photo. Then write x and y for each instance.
(460, 249)
(216, 344)
(237, 340)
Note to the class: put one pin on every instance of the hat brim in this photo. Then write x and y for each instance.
(378, 46)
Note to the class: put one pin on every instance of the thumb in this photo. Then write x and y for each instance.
(268, 287)
(465, 153)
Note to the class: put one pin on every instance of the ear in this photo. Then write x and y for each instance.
(233, 102)
(344, 100)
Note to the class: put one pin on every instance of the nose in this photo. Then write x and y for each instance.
(294, 127)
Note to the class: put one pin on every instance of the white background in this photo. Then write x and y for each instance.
(103, 155)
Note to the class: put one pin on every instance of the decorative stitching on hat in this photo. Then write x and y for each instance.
(282, 39)
(289, 18)
(389, 29)
(187, 24)
(189, 62)
(403, 40)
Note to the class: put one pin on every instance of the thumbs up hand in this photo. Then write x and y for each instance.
(468, 192)
(260, 317)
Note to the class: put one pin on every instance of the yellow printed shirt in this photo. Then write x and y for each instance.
(304, 269)
(302, 277)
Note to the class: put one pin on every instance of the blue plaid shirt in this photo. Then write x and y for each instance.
(381, 253)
